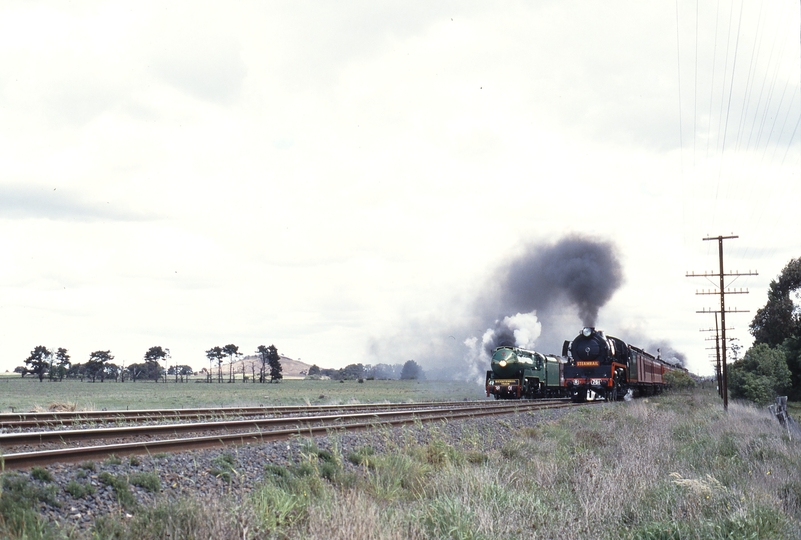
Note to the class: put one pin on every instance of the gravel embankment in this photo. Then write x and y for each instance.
(191, 473)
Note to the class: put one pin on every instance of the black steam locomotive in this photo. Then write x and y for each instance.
(607, 367)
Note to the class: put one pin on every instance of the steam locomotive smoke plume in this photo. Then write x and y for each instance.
(535, 300)
(521, 330)
(575, 275)
(668, 353)
(578, 270)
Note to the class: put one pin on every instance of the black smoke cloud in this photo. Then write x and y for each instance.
(539, 297)
(582, 272)
(573, 277)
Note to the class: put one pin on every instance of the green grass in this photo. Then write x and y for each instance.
(18, 394)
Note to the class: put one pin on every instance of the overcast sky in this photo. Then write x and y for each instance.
(348, 180)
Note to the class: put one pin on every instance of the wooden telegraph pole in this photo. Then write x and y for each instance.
(722, 292)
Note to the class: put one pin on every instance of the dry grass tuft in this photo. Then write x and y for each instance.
(57, 406)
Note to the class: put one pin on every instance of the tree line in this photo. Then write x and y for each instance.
(407, 371)
(57, 365)
(269, 357)
(772, 366)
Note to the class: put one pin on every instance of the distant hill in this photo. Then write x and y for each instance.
(289, 367)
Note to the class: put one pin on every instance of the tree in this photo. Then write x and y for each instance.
(411, 370)
(383, 371)
(22, 370)
(264, 356)
(155, 355)
(144, 370)
(111, 371)
(96, 366)
(760, 375)
(314, 371)
(215, 354)
(77, 371)
(39, 361)
(778, 324)
(275, 363)
(351, 372)
(792, 352)
(62, 363)
(780, 318)
(231, 351)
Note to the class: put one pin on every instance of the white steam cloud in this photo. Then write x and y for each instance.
(520, 330)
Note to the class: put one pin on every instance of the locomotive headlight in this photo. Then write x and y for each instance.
(502, 363)
(587, 332)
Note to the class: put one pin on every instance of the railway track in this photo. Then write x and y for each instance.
(12, 422)
(34, 448)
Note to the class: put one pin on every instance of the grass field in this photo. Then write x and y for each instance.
(28, 394)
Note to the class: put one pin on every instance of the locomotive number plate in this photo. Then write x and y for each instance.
(597, 382)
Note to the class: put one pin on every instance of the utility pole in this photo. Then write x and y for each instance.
(722, 292)
(718, 368)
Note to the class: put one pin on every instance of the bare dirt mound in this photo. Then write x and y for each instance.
(289, 367)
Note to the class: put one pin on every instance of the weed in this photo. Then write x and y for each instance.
(790, 495)
(113, 460)
(439, 453)
(286, 494)
(41, 474)
(134, 461)
(121, 489)
(148, 481)
(363, 456)
(19, 517)
(87, 465)
(79, 490)
(447, 517)
(398, 476)
(512, 449)
(477, 458)
(224, 468)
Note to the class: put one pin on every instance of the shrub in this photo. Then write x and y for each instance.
(41, 474)
(760, 375)
(120, 486)
(148, 481)
(679, 380)
(79, 490)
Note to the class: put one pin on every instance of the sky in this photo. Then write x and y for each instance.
(363, 182)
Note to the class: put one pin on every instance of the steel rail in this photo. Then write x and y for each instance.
(8, 440)
(11, 421)
(23, 460)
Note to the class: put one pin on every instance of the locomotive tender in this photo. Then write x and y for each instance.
(610, 368)
(518, 373)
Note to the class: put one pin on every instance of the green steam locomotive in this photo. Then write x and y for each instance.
(517, 373)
